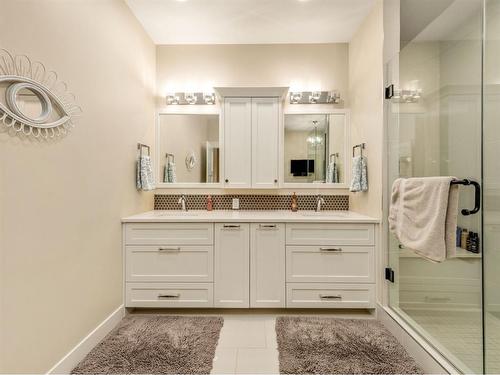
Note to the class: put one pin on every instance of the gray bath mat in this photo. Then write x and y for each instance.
(155, 344)
(339, 346)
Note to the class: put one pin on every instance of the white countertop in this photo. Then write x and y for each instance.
(279, 216)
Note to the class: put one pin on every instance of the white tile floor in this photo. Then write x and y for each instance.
(247, 345)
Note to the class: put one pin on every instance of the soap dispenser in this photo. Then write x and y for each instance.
(295, 204)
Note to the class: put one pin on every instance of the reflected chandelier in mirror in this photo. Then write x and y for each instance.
(36, 103)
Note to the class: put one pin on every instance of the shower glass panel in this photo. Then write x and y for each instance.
(491, 185)
(434, 129)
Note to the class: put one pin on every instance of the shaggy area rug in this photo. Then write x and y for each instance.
(155, 344)
(339, 346)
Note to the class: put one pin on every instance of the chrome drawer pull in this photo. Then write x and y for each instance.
(329, 296)
(169, 295)
(231, 226)
(267, 225)
(333, 249)
(169, 249)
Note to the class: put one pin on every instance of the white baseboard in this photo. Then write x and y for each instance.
(75, 355)
(428, 358)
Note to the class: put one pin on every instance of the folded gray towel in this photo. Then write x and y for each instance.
(359, 178)
(145, 178)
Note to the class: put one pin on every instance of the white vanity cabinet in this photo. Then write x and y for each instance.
(168, 264)
(267, 265)
(251, 142)
(330, 265)
(232, 265)
(287, 264)
(237, 142)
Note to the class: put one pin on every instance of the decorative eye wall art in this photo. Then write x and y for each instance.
(32, 100)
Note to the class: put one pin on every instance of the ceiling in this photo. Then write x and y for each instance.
(250, 21)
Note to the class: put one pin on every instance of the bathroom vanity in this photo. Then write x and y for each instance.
(249, 259)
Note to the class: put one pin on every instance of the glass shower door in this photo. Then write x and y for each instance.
(434, 129)
(491, 185)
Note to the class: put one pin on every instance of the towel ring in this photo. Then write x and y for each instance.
(170, 156)
(361, 148)
(140, 146)
(334, 155)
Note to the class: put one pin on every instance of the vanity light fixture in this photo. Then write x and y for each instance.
(315, 97)
(172, 99)
(209, 98)
(333, 97)
(190, 98)
(407, 96)
(295, 97)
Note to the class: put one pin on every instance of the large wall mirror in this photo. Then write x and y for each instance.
(315, 147)
(188, 149)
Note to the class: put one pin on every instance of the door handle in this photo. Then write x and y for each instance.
(269, 226)
(329, 296)
(229, 226)
(477, 199)
(477, 195)
(177, 295)
(164, 249)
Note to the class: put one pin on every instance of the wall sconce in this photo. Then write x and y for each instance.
(190, 98)
(315, 97)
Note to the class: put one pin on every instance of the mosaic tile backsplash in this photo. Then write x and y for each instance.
(250, 202)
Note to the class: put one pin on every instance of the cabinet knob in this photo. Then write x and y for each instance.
(227, 180)
(276, 181)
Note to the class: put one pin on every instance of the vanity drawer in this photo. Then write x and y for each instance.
(169, 234)
(327, 295)
(350, 264)
(170, 263)
(330, 234)
(169, 295)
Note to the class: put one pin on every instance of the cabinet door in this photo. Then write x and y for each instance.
(267, 265)
(265, 142)
(237, 142)
(232, 268)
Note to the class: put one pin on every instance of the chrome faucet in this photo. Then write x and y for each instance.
(319, 202)
(182, 202)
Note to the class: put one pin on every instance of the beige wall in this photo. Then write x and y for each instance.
(61, 202)
(366, 103)
(299, 66)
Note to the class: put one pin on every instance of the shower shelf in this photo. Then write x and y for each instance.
(461, 254)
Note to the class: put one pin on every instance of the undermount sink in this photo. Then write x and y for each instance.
(179, 213)
(324, 214)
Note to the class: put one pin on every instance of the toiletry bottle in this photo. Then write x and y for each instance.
(209, 203)
(470, 238)
(458, 235)
(474, 246)
(295, 204)
(463, 240)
